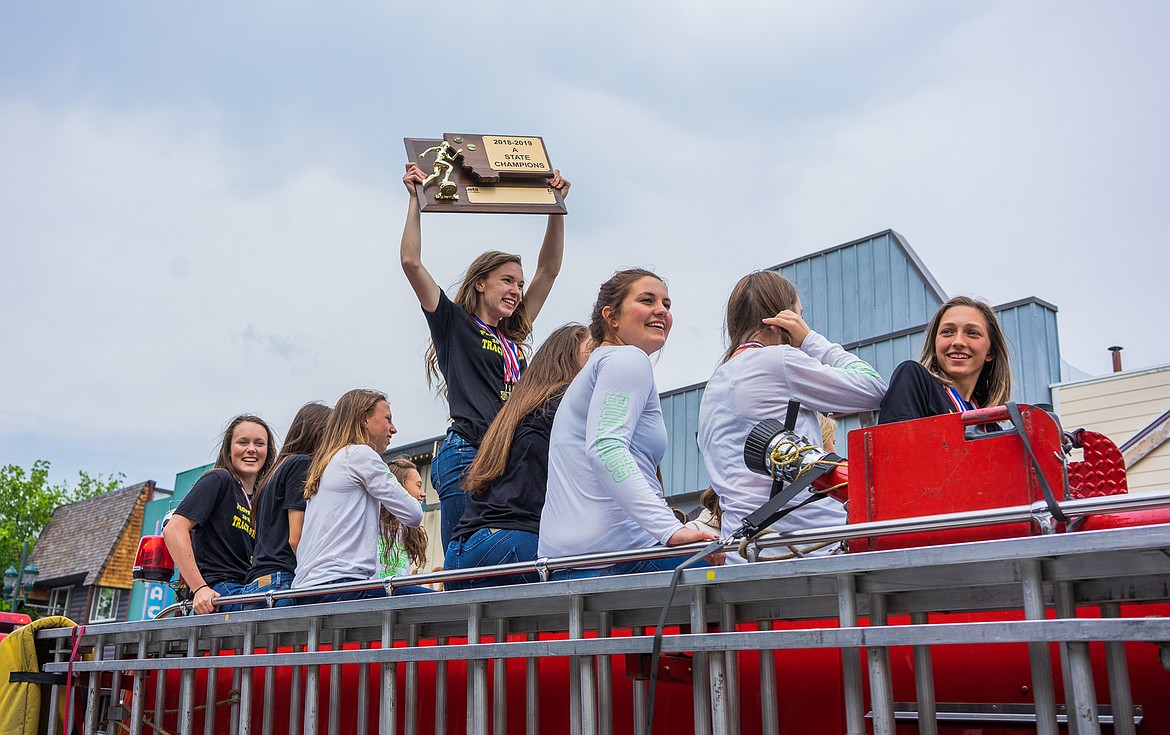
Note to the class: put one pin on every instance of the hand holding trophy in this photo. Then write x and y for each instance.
(484, 173)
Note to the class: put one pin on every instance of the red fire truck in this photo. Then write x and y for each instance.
(990, 585)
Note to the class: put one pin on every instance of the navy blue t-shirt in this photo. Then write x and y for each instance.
(224, 531)
(472, 364)
(515, 498)
(284, 491)
(913, 394)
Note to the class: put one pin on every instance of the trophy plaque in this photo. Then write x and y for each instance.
(507, 174)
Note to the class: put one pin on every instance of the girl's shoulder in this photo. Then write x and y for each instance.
(298, 460)
(214, 478)
(294, 460)
(912, 370)
(757, 359)
(618, 355)
(356, 451)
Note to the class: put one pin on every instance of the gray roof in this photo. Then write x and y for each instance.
(81, 535)
(871, 286)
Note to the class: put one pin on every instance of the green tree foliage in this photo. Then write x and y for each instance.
(27, 500)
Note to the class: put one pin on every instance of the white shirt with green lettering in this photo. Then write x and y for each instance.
(607, 440)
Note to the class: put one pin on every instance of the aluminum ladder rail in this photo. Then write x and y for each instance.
(1033, 574)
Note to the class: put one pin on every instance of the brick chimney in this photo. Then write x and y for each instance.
(1116, 358)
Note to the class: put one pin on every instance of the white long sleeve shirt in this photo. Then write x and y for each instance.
(339, 539)
(755, 385)
(607, 440)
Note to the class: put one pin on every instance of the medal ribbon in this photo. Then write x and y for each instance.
(747, 346)
(960, 404)
(510, 352)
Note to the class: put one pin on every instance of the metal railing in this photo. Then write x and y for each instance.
(414, 635)
(1038, 513)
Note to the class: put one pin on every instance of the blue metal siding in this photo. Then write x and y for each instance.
(855, 294)
(875, 297)
(682, 466)
(886, 355)
(863, 289)
(1030, 330)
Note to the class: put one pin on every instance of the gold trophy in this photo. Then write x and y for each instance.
(507, 174)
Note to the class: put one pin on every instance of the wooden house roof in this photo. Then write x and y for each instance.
(82, 536)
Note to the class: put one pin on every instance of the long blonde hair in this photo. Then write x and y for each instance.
(414, 540)
(553, 367)
(343, 429)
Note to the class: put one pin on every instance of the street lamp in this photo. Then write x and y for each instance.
(18, 585)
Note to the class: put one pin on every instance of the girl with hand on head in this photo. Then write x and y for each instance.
(608, 438)
(773, 356)
(477, 340)
(964, 365)
(211, 534)
(280, 504)
(347, 484)
(506, 482)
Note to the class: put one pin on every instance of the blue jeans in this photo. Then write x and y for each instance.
(487, 547)
(226, 588)
(411, 589)
(447, 470)
(274, 582)
(627, 567)
(343, 596)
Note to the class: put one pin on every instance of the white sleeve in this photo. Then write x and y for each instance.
(826, 377)
(380, 482)
(624, 383)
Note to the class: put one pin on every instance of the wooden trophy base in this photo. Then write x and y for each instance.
(504, 174)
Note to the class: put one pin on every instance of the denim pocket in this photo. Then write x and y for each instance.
(476, 543)
(450, 464)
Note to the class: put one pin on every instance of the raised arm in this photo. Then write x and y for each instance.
(425, 287)
(552, 250)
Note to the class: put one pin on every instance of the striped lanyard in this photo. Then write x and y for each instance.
(509, 351)
(960, 404)
(247, 497)
(747, 346)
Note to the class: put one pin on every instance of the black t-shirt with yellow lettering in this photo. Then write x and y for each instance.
(472, 365)
(224, 531)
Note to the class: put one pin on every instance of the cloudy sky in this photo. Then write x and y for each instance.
(200, 205)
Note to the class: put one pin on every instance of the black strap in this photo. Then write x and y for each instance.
(774, 510)
(766, 515)
(1018, 422)
(792, 414)
(36, 677)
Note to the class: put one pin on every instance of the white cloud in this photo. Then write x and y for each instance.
(189, 236)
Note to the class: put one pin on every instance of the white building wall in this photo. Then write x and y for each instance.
(1119, 406)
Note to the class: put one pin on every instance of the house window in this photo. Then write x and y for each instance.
(105, 605)
(58, 601)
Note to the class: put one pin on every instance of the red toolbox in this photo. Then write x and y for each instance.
(948, 464)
